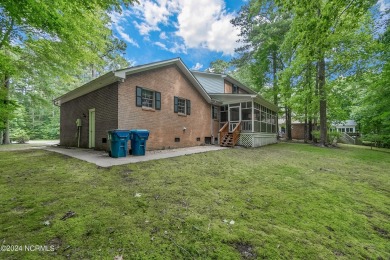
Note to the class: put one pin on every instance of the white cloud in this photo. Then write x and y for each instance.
(197, 66)
(176, 48)
(200, 23)
(161, 45)
(125, 36)
(144, 28)
(383, 5)
(152, 13)
(163, 36)
(116, 20)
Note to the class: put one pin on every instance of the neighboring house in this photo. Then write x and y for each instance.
(298, 128)
(348, 126)
(180, 108)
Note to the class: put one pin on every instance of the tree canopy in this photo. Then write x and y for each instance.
(47, 42)
(314, 60)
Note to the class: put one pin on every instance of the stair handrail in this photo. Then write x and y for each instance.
(236, 133)
(223, 131)
(349, 139)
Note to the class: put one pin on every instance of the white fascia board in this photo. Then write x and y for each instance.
(93, 85)
(235, 98)
(182, 67)
(120, 75)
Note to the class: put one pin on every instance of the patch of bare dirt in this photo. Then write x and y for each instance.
(55, 242)
(382, 232)
(246, 250)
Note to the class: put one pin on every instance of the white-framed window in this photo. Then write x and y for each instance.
(214, 112)
(148, 98)
(182, 106)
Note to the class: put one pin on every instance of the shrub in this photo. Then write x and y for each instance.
(316, 134)
(377, 140)
(333, 136)
(20, 136)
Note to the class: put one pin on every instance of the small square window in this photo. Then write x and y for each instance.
(177, 140)
(198, 139)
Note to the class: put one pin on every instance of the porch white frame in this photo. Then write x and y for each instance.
(250, 138)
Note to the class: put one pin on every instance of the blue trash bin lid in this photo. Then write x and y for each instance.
(120, 133)
(143, 133)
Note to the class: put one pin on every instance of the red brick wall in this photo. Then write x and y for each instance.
(298, 131)
(165, 125)
(105, 102)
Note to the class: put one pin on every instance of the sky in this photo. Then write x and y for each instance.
(197, 31)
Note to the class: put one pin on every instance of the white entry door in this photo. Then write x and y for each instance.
(91, 127)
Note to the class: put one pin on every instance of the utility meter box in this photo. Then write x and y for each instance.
(78, 122)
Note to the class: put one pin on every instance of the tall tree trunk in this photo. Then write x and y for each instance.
(275, 88)
(310, 108)
(322, 93)
(305, 128)
(288, 123)
(315, 109)
(5, 136)
(308, 104)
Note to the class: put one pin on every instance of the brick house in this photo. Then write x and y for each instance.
(179, 107)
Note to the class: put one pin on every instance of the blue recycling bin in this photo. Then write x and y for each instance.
(118, 142)
(138, 139)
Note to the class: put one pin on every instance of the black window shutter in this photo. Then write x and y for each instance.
(157, 104)
(138, 93)
(188, 104)
(175, 104)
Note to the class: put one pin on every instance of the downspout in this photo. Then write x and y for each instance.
(212, 124)
(78, 136)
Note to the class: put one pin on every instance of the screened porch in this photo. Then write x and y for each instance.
(253, 117)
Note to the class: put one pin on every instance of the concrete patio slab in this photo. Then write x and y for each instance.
(102, 159)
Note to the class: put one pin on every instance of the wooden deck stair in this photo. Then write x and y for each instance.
(229, 139)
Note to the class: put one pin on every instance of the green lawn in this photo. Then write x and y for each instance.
(280, 201)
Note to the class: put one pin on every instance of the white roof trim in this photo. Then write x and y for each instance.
(100, 82)
(118, 75)
(236, 98)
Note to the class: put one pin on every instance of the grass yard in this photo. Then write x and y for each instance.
(280, 201)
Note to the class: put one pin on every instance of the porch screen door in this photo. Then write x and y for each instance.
(234, 117)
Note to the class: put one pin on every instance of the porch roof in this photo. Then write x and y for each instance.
(238, 98)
